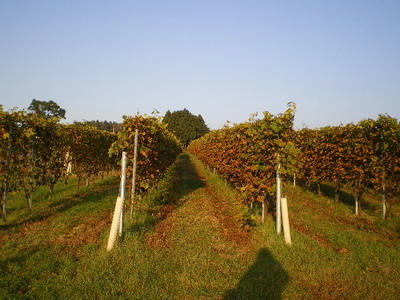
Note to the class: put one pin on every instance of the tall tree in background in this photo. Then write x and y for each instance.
(186, 126)
(46, 109)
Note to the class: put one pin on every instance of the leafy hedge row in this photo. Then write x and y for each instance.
(247, 154)
(361, 156)
(157, 148)
(36, 151)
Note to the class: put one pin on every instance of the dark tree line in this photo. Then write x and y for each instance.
(110, 126)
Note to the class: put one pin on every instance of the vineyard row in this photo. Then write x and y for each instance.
(360, 156)
(37, 151)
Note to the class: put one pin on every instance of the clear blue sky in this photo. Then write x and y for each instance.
(338, 60)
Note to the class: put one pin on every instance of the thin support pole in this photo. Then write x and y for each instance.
(122, 192)
(263, 211)
(383, 202)
(278, 199)
(115, 223)
(134, 171)
(285, 220)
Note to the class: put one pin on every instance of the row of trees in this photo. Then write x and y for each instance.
(361, 156)
(36, 150)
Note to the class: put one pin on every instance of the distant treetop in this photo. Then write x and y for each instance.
(185, 126)
(46, 109)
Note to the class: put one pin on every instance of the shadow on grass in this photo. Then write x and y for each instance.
(188, 178)
(169, 193)
(64, 204)
(14, 283)
(264, 280)
(17, 259)
(344, 197)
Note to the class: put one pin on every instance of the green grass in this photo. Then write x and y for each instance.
(36, 246)
(184, 241)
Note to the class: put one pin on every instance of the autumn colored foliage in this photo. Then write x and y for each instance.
(157, 148)
(247, 154)
(36, 150)
(361, 156)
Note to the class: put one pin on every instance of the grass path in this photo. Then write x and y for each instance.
(204, 242)
(196, 250)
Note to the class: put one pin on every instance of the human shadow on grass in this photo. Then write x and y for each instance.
(265, 279)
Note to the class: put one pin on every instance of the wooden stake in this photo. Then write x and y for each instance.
(337, 193)
(263, 212)
(278, 199)
(115, 223)
(134, 171)
(4, 208)
(357, 204)
(383, 202)
(31, 179)
(285, 220)
(122, 192)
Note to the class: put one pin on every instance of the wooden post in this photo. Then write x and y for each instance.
(383, 202)
(68, 164)
(7, 163)
(1, 208)
(285, 220)
(134, 171)
(294, 179)
(115, 223)
(30, 194)
(4, 208)
(263, 212)
(69, 168)
(31, 179)
(357, 204)
(337, 193)
(122, 192)
(278, 199)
